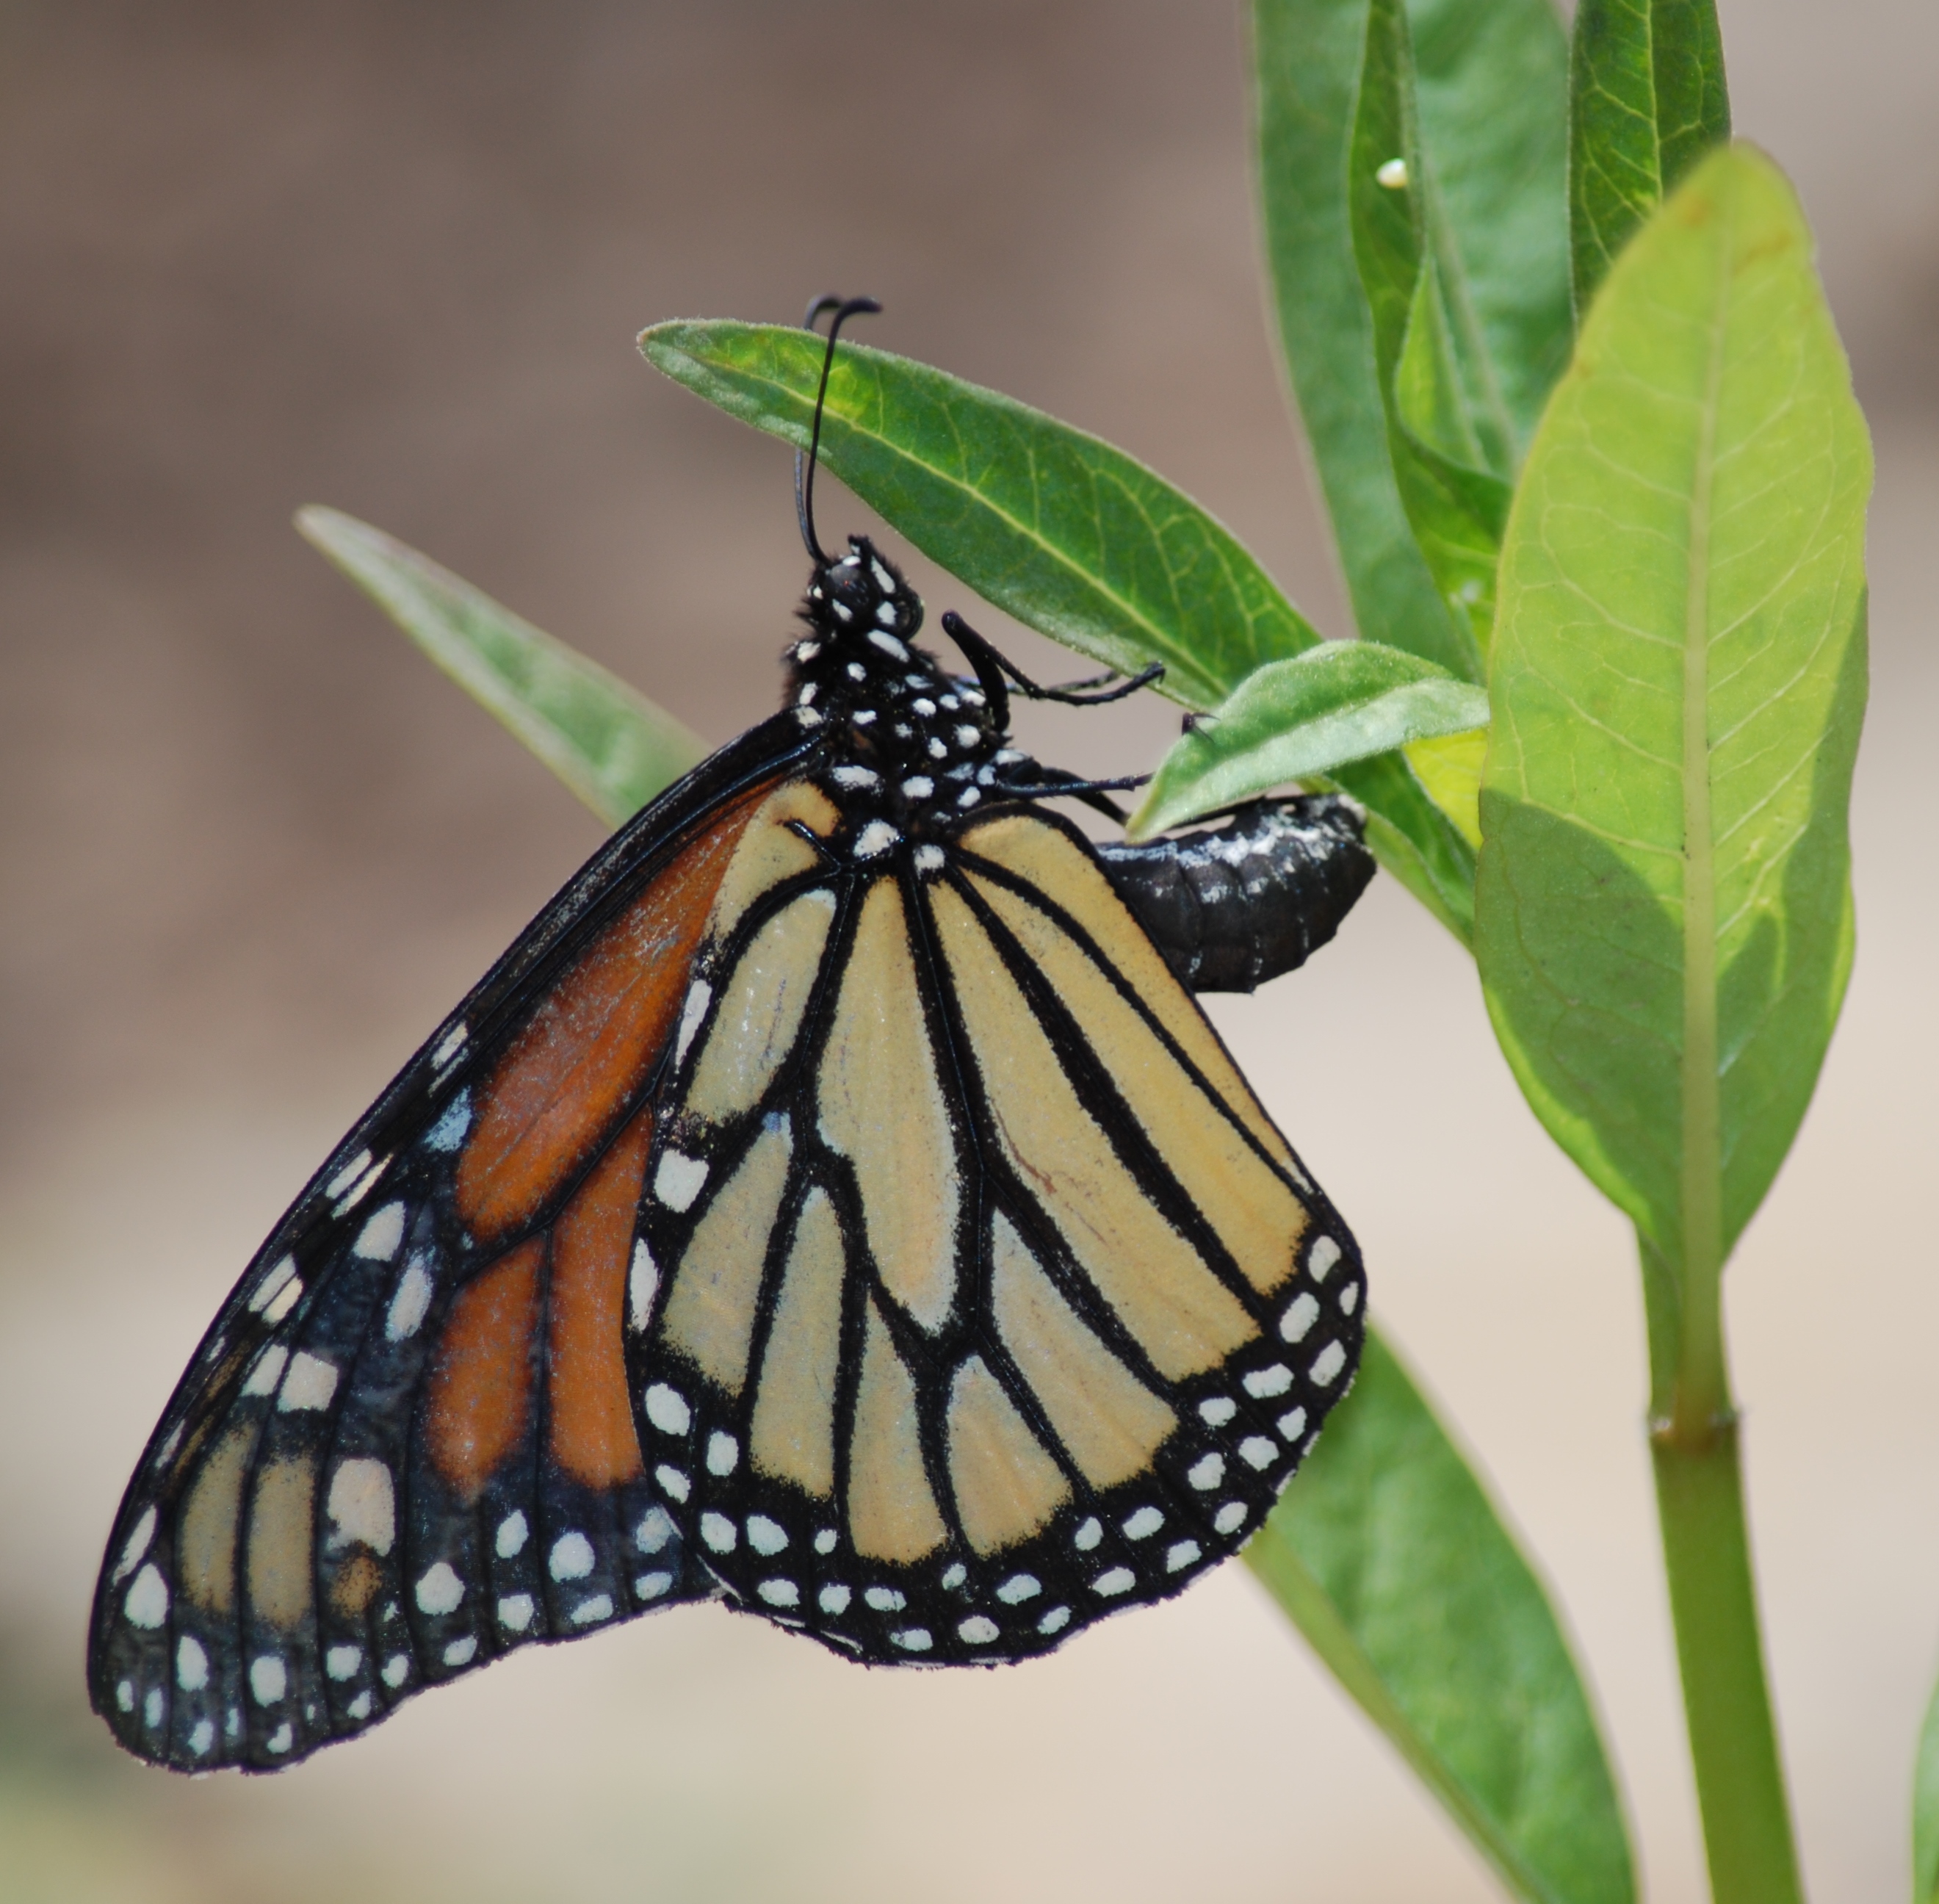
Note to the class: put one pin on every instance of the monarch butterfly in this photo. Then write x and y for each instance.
(833, 1203)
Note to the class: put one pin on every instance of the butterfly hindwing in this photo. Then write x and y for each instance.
(989, 1301)
(406, 1446)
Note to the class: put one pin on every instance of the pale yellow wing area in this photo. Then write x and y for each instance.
(892, 1510)
(1183, 1317)
(1047, 858)
(881, 1107)
(793, 1436)
(1247, 1203)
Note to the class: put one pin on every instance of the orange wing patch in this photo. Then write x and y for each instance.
(481, 1384)
(592, 1434)
(591, 1042)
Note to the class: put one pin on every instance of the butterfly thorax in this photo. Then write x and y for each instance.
(910, 750)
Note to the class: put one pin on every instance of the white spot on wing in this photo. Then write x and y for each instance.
(978, 1631)
(268, 1371)
(137, 1545)
(309, 1384)
(191, 1664)
(515, 1612)
(590, 1611)
(1207, 1471)
(674, 1484)
(1263, 1382)
(1143, 1524)
(667, 1409)
(269, 1679)
(720, 1533)
(1292, 1426)
(449, 1046)
(913, 1639)
(411, 1304)
(780, 1593)
(397, 1670)
(884, 1600)
(571, 1559)
(271, 1286)
(678, 1180)
(1113, 1581)
(1324, 1253)
(153, 1708)
(282, 1738)
(1088, 1536)
(699, 996)
(1328, 1363)
(1256, 1451)
(1230, 1518)
(1018, 1588)
(650, 1586)
(1055, 1621)
(643, 1284)
(448, 1133)
(348, 1175)
(439, 1590)
(285, 1300)
(766, 1536)
(363, 1504)
(724, 1454)
(1181, 1553)
(654, 1531)
(834, 1599)
(341, 1662)
(513, 1533)
(379, 1238)
(460, 1651)
(1302, 1313)
(202, 1737)
(1216, 1410)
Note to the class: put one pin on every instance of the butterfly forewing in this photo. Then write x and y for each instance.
(406, 1446)
(989, 1302)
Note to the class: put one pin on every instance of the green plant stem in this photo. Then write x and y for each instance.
(1700, 1499)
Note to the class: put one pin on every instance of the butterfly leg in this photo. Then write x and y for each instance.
(1232, 906)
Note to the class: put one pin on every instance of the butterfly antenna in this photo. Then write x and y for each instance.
(805, 467)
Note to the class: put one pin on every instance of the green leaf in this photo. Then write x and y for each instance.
(605, 740)
(1448, 435)
(1067, 533)
(1295, 720)
(1492, 88)
(1664, 917)
(1647, 99)
(1925, 1810)
(1388, 1555)
(1071, 536)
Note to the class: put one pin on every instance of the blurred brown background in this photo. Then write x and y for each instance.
(392, 258)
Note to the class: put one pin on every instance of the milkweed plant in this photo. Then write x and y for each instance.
(1597, 482)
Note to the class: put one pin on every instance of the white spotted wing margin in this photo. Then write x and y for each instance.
(286, 1567)
(989, 1303)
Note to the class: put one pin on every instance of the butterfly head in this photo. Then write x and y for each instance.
(861, 595)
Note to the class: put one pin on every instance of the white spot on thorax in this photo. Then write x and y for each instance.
(929, 859)
(856, 672)
(679, 1179)
(888, 644)
(807, 717)
(968, 797)
(885, 613)
(968, 736)
(572, 1558)
(269, 1679)
(862, 716)
(381, 1234)
(918, 786)
(514, 1530)
(877, 836)
(309, 1384)
(884, 580)
(856, 777)
(923, 705)
(411, 1304)
(440, 1589)
(937, 751)
(363, 1504)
